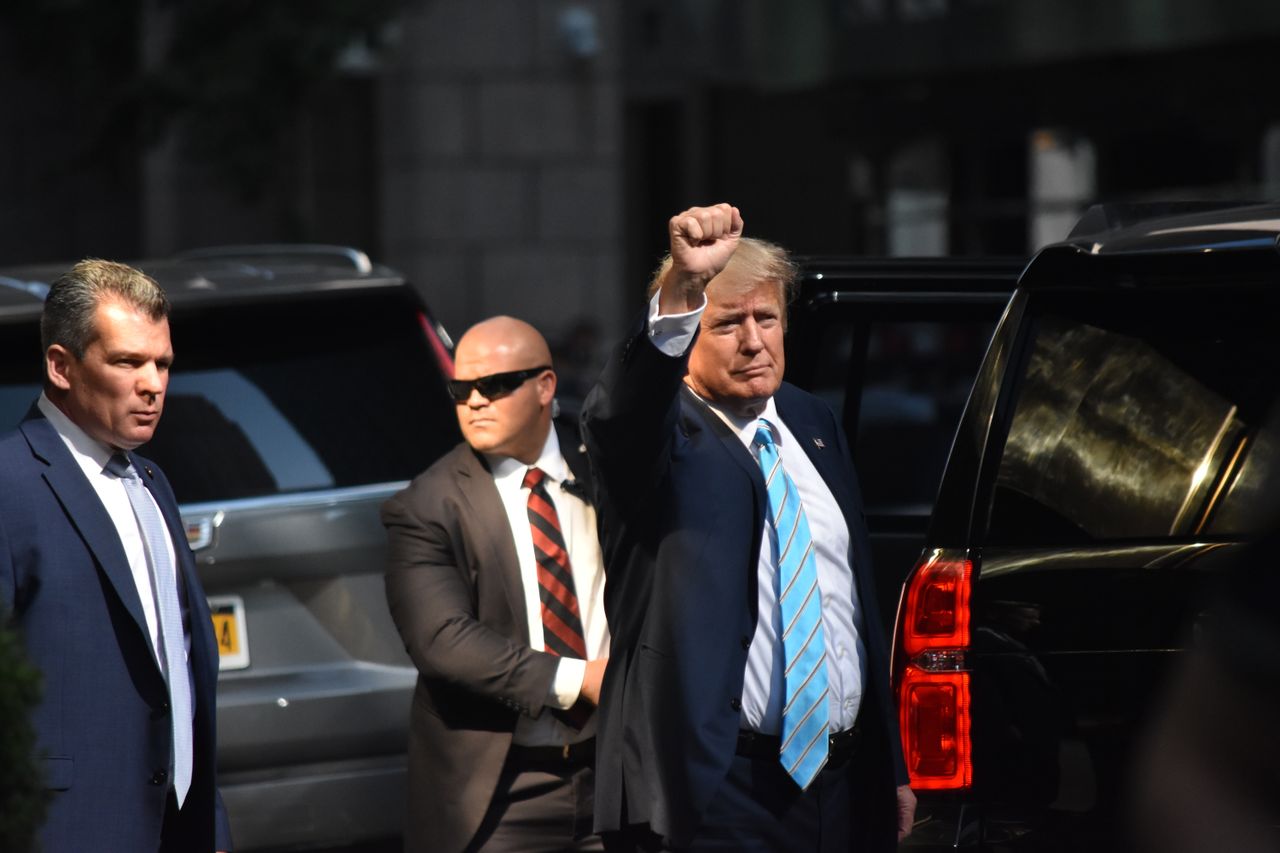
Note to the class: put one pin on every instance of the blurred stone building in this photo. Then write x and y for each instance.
(953, 126)
(522, 156)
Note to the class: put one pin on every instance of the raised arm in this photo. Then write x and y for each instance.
(629, 417)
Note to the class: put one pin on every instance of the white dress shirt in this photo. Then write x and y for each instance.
(92, 455)
(763, 693)
(578, 526)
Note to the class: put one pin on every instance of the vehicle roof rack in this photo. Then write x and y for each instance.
(356, 258)
(38, 289)
(1101, 218)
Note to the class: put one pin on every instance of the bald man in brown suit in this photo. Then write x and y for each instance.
(496, 585)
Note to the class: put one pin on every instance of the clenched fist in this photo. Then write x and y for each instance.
(702, 241)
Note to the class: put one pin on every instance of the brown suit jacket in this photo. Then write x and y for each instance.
(454, 589)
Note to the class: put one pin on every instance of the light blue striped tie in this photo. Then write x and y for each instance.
(805, 715)
(155, 535)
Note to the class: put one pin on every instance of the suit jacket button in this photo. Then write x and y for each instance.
(158, 777)
(735, 703)
(746, 643)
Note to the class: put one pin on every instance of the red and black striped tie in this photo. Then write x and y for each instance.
(561, 620)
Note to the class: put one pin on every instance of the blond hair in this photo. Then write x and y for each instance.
(753, 263)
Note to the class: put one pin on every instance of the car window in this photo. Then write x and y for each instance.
(271, 398)
(1140, 415)
(900, 384)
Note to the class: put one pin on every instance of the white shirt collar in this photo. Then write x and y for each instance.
(550, 460)
(745, 428)
(91, 454)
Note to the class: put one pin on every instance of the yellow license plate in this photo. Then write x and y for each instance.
(230, 631)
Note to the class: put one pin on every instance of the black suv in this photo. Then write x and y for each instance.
(1119, 447)
(893, 345)
(308, 386)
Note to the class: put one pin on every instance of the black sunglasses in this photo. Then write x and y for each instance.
(493, 386)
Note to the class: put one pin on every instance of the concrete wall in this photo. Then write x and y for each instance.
(502, 162)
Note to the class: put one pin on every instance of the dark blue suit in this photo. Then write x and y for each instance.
(103, 726)
(681, 504)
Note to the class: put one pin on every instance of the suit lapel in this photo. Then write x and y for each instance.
(810, 423)
(477, 491)
(186, 568)
(814, 435)
(172, 521)
(86, 513)
(575, 457)
(821, 445)
(727, 437)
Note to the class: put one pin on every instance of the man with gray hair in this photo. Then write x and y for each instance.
(95, 568)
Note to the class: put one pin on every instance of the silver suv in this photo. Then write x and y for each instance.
(308, 386)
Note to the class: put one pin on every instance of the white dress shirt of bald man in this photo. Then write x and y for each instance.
(502, 732)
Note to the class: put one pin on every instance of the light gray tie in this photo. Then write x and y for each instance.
(164, 582)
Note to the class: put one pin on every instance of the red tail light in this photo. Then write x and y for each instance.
(933, 681)
(438, 347)
(937, 615)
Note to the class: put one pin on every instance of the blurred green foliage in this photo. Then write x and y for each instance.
(22, 792)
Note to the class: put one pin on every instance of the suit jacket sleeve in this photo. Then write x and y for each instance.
(629, 419)
(432, 597)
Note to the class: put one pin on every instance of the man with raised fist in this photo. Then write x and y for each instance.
(746, 705)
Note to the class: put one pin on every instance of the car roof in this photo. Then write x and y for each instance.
(830, 279)
(219, 275)
(1185, 227)
(1188, 243)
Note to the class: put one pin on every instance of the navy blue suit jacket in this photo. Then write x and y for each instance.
(681, 504)
(102, 727)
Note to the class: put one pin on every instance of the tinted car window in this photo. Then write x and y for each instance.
(1132, 422)
(288, 396)
(901, 384)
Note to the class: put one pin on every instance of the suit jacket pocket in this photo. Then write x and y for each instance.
(58, 773)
